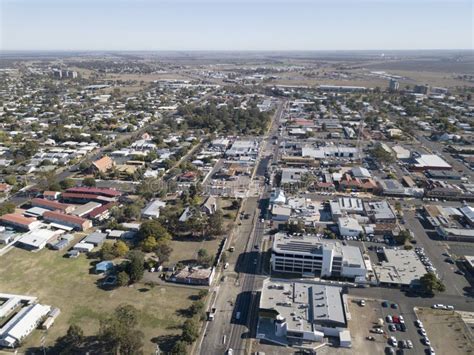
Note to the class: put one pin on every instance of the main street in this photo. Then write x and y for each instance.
(236, 301)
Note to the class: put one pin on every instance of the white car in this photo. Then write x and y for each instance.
(419, 323)
(422, 331)
(409, 344)
(426, 341)
(438, 306)
(393, 341)
(449, 307)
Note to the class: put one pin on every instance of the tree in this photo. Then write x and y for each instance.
(180, 348)
(71, 342)
(123, 279)
(7, 207)
(120, 248)
(163, 251)
(431, 284)
(190, 331)
(89, 181)
(106, 252)
(132, 211)
(10, 180)
(118, 333)
(215, 223)
(149, 244)
(155, 229)
(135, 267)
(402, 237)
(67, 183)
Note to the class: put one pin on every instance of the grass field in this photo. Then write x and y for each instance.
(68, 284)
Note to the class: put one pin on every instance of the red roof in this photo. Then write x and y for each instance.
(17, 219)
(101, 209)
(95, 190)
(64, 217)
(49, 204)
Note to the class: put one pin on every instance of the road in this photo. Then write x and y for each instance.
(236, 301)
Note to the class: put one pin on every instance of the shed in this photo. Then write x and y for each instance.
(96, 238)
(103, 267)
(83, 247)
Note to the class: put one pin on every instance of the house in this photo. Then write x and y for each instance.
(209, 206)
(20, 222)
(194, 276)
(61, 220)
(152, 209)
(102, 165)
(104, 267)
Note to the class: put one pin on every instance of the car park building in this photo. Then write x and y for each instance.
(310, 255)
(300, 313)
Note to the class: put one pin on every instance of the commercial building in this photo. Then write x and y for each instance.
(349, 227)
(380, 212)
(329, 152)
(243, 148)
(62, 219)
(402, 268)
(309, 255)
(300, 313)
(457, 234)
(429, 162)
(346, 205)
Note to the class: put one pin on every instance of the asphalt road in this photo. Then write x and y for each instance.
(236, 299)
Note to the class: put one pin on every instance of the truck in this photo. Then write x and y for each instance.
(211, 314)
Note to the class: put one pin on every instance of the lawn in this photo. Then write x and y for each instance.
(67, 284)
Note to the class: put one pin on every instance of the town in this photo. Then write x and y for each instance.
(157, 205)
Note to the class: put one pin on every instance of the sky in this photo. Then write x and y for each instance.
(236, 24)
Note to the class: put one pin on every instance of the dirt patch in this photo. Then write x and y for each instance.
(447, 331)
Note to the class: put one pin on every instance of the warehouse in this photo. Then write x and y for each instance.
(429, 162)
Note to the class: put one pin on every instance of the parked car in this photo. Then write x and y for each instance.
(389, 319)
(438, 306)
(392, 327)
(394, 306)
(409, 344)
(384, 304)
(392, 341)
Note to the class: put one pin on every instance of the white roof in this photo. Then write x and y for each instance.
(37, 238)
(27, 321)
(432, 160)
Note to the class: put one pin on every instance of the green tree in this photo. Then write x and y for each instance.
(123, 279)
(163, 251)
(106, 252)
(190, 331)
(67, 183)
(132, 211)
(7, 207)
(120, 248)
(180, 348)
(215, 223)
(402, 237)
(430, 284)
(149, 244)
(135, 267)
(154, 229)
(89, 181)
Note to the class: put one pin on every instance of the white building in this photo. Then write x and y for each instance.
(22, 324)
(349, 227)
(309, 255)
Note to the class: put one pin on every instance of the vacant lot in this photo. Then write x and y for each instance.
(68, 284)
(362, 320)
(446, 331)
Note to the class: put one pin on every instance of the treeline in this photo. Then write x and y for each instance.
(230, 119)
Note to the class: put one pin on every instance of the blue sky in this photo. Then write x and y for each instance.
(235, 25)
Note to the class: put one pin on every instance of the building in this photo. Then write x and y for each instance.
(61, 220)
(380, 212)
(152, 209)
(309, 255)
(393, 85)
(38, 238)
(281, 213)
(20, 222)
(95, 238)
(96, 191)
(468, 213)
(300, 313)
(457, 234)
(346, 205)
(330, 152)
(104, 267)
(402, 268)
(292, 175)
(349, 227)
(194, 276)
(85, 209)
(103, 165)
(22, 324)
(429, 162)
(241, 148)
(401, 152)
(209, 206)
(83, 247)
(51, 205)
